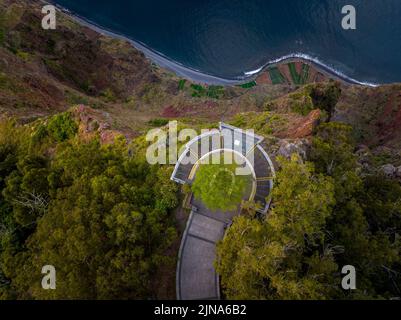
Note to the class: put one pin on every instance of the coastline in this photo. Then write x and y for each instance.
(205, 78)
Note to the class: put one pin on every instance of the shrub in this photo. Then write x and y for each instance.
(248, 85)
(325, 97)
(214, 92)
(108, 95)
(158, 122)
(181, 84)
(301, 102)
(62, 127)
(219, 187)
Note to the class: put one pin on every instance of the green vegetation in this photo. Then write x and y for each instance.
(58, 128)
(2, 29)
(276, 258)
(152, 94)
(248, 85)
(219, 187)
(263, 123)
(325, 216)
(2, 35)
(104, 217)
(301, 101)
(315, 96)
(276, 76)
(9, 17)
(5, 83)
(23, 55)
(181, 84)
(158, 122)
(305, 72)
(75, 99)
(99, 214)
(108, 95)
(326, 96)
(198, 91)
(214, 92)
(297, 78)
(62, 127)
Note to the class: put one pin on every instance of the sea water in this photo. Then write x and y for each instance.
(235, 38)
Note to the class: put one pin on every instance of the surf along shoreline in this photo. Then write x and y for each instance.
(204, 78)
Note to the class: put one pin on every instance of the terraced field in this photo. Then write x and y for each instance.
(292, 73)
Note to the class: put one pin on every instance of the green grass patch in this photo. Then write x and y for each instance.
(218, 185)
(4, 81)
(276, 76)
(214, 92)
(153, 94)
(305, 72)
(198, 91)
(181, 84)
(74, 99)
(8, 83)
(301, 102)
(158, 122)
(299, 78)
(108, 95)
(296, 78)
(263, 123)
(23, 55)
(248, 85)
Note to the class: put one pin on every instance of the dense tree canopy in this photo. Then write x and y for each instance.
(366, 223)
(282, 257)
(326, 215)
(102, 216)
(99, 215)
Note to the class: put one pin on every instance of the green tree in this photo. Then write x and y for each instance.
(106, 223)
(325, 96)
(219, 186)
(284, 256)
(366, 221)
(62, 127)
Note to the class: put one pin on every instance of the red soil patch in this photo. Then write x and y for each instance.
(312, 75)
(263, 78)
(298, 66)
(389, 123)
(92, 122)
(207, 109)
(305, 127)
(319, 77)
(283, 68)
(170, 112)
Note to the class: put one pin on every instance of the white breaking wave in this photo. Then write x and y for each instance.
(314, 60)
(251, 73)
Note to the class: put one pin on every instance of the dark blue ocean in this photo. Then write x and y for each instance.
(228, 38)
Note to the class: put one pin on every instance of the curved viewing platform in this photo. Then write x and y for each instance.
(196, 277)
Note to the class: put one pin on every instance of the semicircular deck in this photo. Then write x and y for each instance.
(196, 277)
